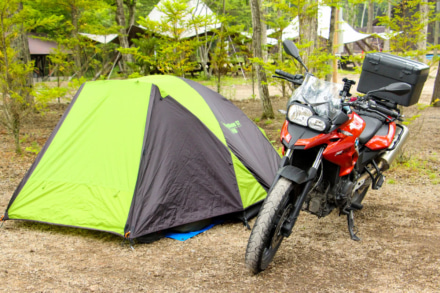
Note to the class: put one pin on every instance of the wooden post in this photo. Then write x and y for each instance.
(335, 46)
(436, 30)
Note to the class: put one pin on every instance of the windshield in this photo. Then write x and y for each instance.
(322, 96)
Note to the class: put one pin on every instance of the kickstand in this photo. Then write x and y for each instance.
(351, 226)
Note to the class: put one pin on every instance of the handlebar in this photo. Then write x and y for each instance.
(296, 79)
(384, 110)
(372, 106)
(362, 103)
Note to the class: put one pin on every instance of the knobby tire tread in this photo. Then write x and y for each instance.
(261, 232)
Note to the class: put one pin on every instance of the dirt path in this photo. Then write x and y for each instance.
(399, 227)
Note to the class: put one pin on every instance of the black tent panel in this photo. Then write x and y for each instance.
(242, 135)
(185, 175)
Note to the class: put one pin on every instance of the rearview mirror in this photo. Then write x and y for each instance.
(398, 88)
(292, 50)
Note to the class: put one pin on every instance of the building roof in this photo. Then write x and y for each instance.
(40, 47)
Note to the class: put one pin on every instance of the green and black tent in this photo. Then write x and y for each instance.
(137, 156)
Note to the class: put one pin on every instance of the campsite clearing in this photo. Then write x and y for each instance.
(399, 227)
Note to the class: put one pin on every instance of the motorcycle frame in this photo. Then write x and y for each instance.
(339, 146)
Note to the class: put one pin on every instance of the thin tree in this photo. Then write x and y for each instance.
(436, 28)
(308, 28)
(370, 17)
(21, 45)
(421, 44)
(331, 37)
(131, 6)
(263, 29)
(435, 100)
(123, 39)
(261, 74)
(386, 45)
(14, 73)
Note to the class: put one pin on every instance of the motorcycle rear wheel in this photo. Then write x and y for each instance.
(266, 236)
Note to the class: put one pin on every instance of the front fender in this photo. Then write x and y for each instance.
(293, 174)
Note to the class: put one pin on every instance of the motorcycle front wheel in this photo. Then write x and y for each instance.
(266, 236)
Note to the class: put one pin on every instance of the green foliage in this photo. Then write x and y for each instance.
(135, 75)
(34, 148)
(409, 21)
(144, 7)
(238, 10)
(174, 52)
(77, 82)
(280, 14)
(75, 54)
(45, 93)
(144, 47)
(15, 86)
(391, 181)
(427, 167)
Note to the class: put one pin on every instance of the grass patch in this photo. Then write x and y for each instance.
(268, 122)
(424, 166)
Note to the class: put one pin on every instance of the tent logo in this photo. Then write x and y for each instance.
(233, 127)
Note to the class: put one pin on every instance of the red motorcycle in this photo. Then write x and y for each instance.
(335, 147)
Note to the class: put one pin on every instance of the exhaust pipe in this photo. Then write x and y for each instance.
(400, 138)
(385, 160)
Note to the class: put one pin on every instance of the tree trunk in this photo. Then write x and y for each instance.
(261, 74)
(363, 16)
(123, 39)
(386, 43)
(331, 37)
(435, 100)
(219, 74)
(263, 30)
(436, 29)
(370, 17)
(421, 44)
(76, 49)
(308, 29)
(21, 45)
(131, 5)
(280, 56)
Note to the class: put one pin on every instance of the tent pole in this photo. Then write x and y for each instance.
(368, 45)
(114, 64)
(241, 67)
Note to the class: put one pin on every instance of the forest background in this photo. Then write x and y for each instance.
(399, 225)
(161, 48)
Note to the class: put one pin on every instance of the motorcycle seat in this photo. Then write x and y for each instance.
(371, 128)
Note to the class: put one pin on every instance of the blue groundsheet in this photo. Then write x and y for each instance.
(187, 235)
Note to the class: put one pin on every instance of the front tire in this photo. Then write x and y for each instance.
(266, 236)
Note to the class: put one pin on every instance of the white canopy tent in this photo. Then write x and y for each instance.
(102, 39)
(349, 35)
(195, 8)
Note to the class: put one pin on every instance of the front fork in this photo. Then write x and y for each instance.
(286, 230)
(287, 227)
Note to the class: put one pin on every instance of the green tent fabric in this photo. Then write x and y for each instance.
(137, 156)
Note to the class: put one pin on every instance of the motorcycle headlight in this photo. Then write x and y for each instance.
(299, 114)
(318, 123)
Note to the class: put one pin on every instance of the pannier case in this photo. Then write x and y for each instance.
(381, 69)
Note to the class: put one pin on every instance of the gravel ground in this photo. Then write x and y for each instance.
(399, 227)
